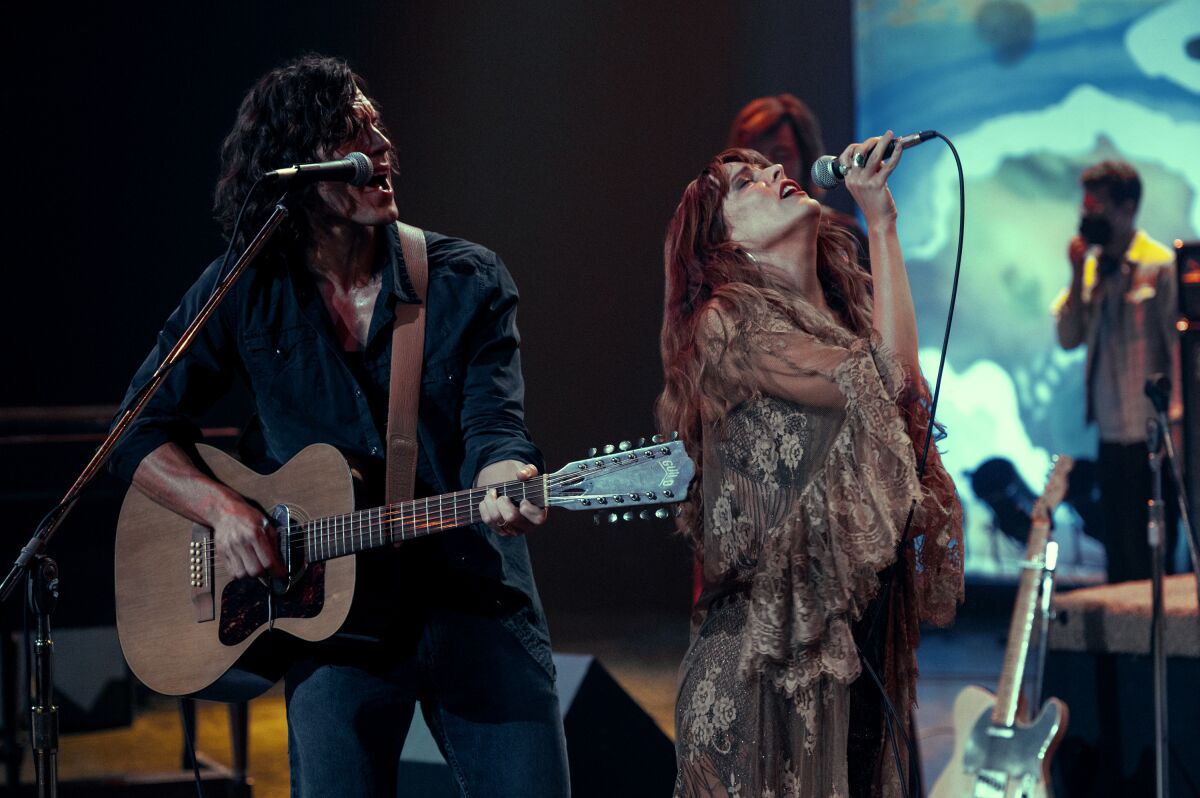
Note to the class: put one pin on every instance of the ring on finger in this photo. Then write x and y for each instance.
(859, 160)
(503, 524)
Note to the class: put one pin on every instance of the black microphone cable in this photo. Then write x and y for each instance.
(911, 787)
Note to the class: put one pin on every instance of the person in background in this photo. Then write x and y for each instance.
(451, 620)
(1122, 305)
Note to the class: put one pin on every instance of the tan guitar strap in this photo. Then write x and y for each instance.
(408, 352)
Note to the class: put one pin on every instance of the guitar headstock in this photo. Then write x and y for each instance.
(1056, 489)
(620, 482)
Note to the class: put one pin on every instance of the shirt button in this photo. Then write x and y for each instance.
(358, 392)
(374, 450)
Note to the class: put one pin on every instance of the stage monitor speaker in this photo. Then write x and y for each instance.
(1108, 748)
(93, 688)
(613, 746)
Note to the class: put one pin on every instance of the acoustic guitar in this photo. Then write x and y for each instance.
(997, 754)
(188, 628)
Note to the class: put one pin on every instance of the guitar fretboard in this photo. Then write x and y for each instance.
(339, 535)
(1020, 629)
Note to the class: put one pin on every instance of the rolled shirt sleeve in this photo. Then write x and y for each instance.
(493, 415)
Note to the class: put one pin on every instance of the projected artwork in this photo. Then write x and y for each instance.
(1030, 92)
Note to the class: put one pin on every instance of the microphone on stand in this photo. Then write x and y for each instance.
(1158, 388)
(355, 169)
(827, 171)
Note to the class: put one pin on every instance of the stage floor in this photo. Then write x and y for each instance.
(641, 653)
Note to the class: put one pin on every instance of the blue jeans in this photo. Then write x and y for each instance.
(486, 687)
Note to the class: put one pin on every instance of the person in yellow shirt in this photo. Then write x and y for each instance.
(1122, 305)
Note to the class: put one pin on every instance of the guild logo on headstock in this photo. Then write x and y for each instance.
(670, 473)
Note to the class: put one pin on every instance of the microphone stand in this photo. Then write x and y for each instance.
(1158, 389)
(1154, 537)
(44, 581)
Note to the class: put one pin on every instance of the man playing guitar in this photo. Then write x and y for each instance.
(451, 620)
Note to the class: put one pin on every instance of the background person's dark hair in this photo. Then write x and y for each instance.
(1117, 178)
(297, 113)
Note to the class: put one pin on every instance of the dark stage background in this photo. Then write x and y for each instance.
(559, 134)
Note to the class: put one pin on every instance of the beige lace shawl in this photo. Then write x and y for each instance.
(808, 481)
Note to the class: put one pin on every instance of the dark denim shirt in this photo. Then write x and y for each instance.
(274, 332)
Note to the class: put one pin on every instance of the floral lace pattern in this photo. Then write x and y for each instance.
(805, 503)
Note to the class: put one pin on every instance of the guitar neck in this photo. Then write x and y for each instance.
(339, 535)
(1020, 630)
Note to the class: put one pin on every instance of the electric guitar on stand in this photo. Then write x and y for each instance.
(996, 754)
(188, 628)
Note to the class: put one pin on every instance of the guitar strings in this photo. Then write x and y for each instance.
(328, 540)
(405, 513)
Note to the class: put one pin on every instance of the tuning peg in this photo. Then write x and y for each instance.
(644, 515)
(624, 446)
(657, 439)
(662, 513)
(641, 442)
(613, 518)
(596, 519)
(592, 452)
(609, 448)
(678, 510)
(628, 516)
(675, 435)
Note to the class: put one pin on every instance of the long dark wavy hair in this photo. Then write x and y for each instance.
(705, 268)
(297, 113)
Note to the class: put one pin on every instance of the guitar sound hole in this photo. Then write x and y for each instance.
(247, 604)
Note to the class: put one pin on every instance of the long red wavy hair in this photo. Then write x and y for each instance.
(703, 268)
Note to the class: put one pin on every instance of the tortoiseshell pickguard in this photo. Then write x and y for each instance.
(246, 604)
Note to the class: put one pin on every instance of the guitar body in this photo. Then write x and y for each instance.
(221, 640)
(996, 754)
(997, 762)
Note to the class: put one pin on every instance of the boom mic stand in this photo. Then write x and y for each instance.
(1158, 444)
(31, 564)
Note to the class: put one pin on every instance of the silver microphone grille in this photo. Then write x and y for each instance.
(822, 172)
(362, 168)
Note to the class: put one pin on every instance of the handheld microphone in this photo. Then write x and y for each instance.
(355, 169)
(827, 171)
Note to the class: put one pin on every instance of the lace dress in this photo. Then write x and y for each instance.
(807, 484)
